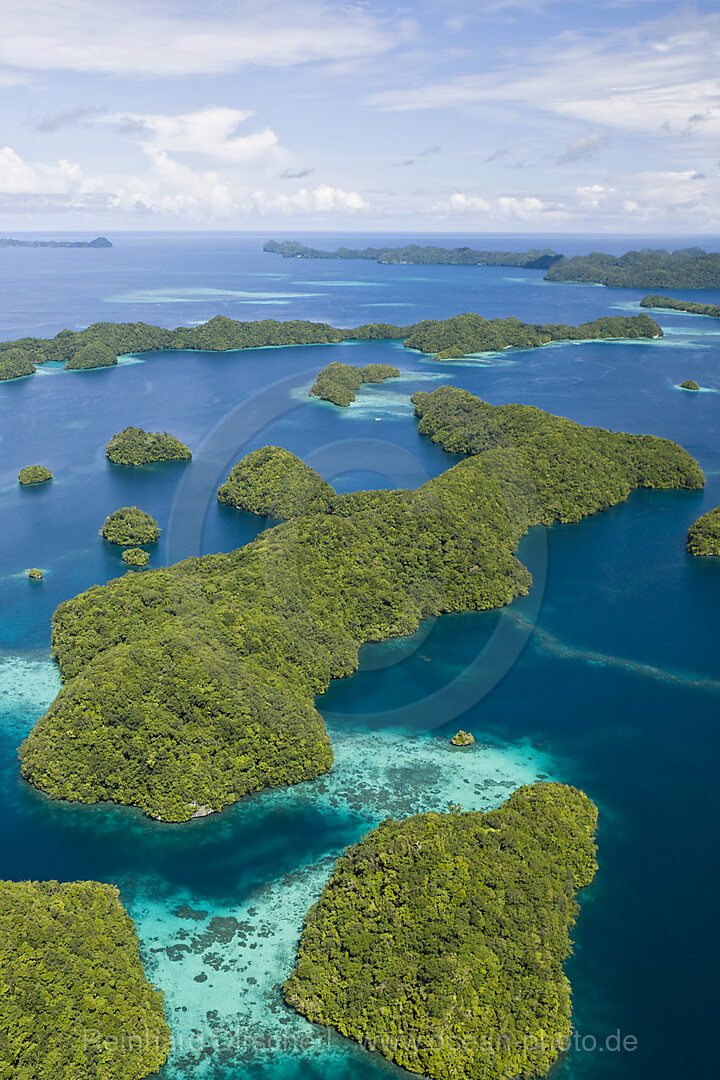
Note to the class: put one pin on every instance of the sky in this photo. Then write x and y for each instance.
(502, 116)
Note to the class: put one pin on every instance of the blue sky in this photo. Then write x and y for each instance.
(492, 115)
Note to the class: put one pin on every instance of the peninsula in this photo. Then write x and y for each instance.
(688, 306)
(98, 242)
(192, 685)
(439, 939)
(535, 259)
(272, 482)
(100, 345)
(338, 382)
(74, 988)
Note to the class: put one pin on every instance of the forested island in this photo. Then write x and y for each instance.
(272, 482)
(704, 534)
(34, 474)
(689, 306)
(338, 382)
(130, 526)
(689, 384)
(99, 345)
(135, 446)
(190, 686)
(439, 940)
(535, 259)
(687, 268)
(98, 242)
(135, 556)
(75, 1001)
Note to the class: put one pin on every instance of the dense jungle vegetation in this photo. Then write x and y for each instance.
(192, 685)
(130, 526)
(274, 483)
(704, 534)
(713, 310)
(34, 474)
(74, 1000)
(338, 382)
(688, 268)
(134, 446)
(439, 940)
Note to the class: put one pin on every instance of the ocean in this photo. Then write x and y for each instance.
(606, 677)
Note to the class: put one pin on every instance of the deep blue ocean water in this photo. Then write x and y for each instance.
(606, 677)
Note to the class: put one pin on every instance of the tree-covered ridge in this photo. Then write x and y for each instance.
(463, 335)
(704, 534)
(130, 526)
(74, 1000)
(274, 483)
(191, 685)
(134, 446)
(338, 382)
(687, 268)
(536, 259)
(552, 469)
(99, 345)
(34, 474)
(439, 940)
(713, 310)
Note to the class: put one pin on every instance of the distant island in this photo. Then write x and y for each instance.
(689, 384)
(274, 483)
(535, 259)
(439, 939)
(74, 988)
(687, 268)
(98, 242)
(689, 306)
(135, 446)
(704, 534)
(34, 474)
(190, 686)
(337, 382)
(99, 345)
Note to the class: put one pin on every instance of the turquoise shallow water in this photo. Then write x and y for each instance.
(607, 676)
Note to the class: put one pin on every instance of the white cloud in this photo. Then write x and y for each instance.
(661, 74)
(506, 206)
(463, 203)
(155, 38)
(22, 177)
(211, 131)
(323, 198)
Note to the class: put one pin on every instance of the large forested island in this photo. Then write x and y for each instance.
(272, 482)
(704, 534)
(338, 382)
(689, 306)
(135, 446)
(74, 1000)
(687, 268)
(99, 345)
(98, 242)
(536, 259)
(439, 940)
(189, 686)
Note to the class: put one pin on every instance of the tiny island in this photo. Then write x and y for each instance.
(135, 556)
(433, 944)
(34, 574)
(689, 384)
(74, 988)
(704, 534)
(34, 474)
(258, 633)
(463, 738)
(130, 526)
(135, 446)
(338, 382)
(274, 483)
